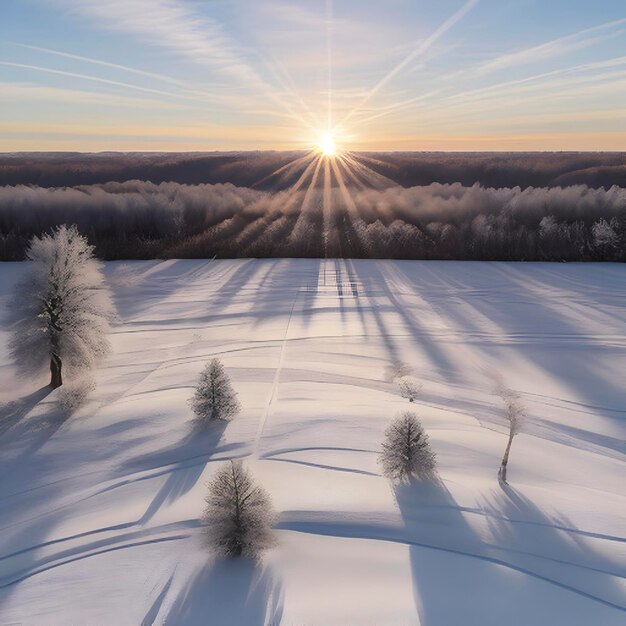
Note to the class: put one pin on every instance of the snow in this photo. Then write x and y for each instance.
(100, 511)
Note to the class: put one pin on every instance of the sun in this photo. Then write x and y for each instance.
(327, 145)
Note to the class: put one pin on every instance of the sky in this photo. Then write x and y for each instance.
(205, 75)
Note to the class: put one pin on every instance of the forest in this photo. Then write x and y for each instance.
(291, 212)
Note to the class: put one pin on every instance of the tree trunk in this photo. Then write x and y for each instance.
(505, 459)
(56, 379)
(238, 549)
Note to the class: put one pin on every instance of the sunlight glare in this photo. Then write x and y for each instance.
(327, 145)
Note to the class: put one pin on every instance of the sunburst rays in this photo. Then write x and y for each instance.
(330, 176)
(318, 198)
(318, 186)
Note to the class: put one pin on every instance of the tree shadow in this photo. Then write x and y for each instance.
(29, 436)
(200, 442)
(11, 413)
(156, 280)
(275, 293)
(24, 457)
(523, 306)
(554, 547)
(383, 276)
(512, 553)
(186, 462)
(434, 525)
(229, 591)
(362, 274)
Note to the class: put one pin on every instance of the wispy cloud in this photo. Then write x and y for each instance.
(97, 79)
(266, 66)
(31, 92)
(201, 98)
(416, 53)
(116, 66)
(175, 26)
(557, 47)
(568, 97)
(535, 78)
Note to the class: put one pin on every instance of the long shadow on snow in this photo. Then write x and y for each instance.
(185, 469)
(567, 556)
(431, 518)
(186, 462)
(11, 413)
(229, 591)
(371, 273)
(155, 283)
(31, 435)
(232, 288)
(583, 377)
(376, 311)
(282, 283)
(438, 534)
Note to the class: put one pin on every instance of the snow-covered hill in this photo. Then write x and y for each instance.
(99, 513)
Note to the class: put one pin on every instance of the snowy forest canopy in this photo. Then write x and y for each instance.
(556, 217)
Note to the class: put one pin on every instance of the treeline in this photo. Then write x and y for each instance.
(139, 219)
(248, 169)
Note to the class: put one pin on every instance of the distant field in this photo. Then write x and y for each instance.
(100, 512)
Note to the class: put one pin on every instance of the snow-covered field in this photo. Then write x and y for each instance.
(99, 513)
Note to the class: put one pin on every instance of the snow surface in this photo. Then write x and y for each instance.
(100, 511)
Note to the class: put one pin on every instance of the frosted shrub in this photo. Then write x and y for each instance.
(409, 388)
(215, 398)
(406, 451)
(238, 517)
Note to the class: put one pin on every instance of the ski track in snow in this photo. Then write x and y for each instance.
(109, 500)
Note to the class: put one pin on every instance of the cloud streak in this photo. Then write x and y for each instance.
(415, 54)
(115, 66)
(31, 92)
(97, 79)
(175, 26)
(550, 49)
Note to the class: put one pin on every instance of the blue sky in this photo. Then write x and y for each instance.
(270, 74)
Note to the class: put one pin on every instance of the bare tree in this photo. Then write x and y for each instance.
(61, 308)
(406, 450)
(515, 414)
(215, 398)
(238, 517)
(409, 387)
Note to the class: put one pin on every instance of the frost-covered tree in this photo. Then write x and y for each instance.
(215, 398)
(409, 388)
(605, 237)
(61, 308)
(406, 450)
(238, 517)
(515, 414)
